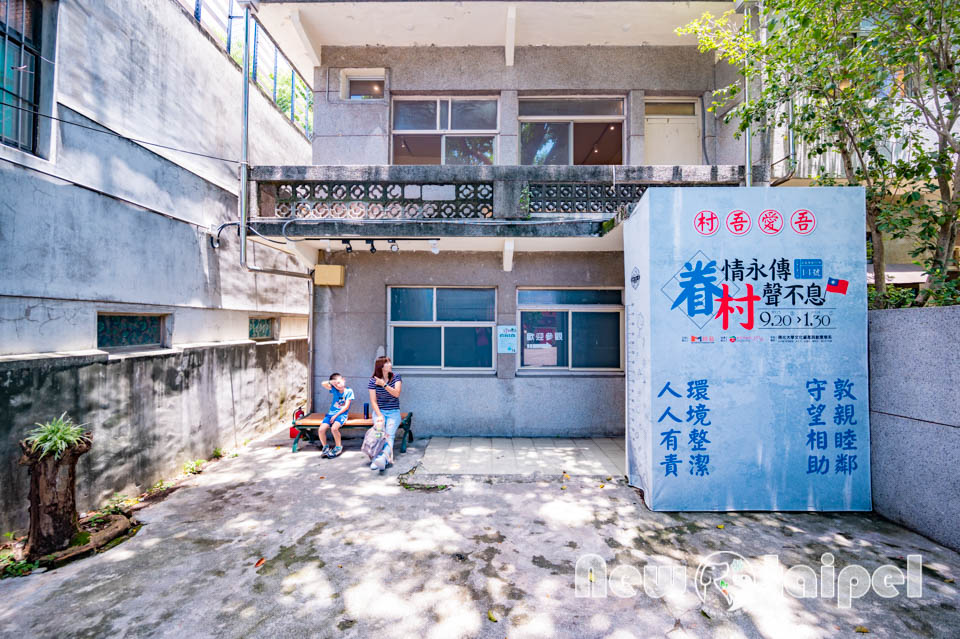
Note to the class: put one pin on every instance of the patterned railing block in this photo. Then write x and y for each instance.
(574, 198)
(383, 200)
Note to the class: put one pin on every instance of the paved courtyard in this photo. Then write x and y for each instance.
(351, 553)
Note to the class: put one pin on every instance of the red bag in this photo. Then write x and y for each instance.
(294, 431)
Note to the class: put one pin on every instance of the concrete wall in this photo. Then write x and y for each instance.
(97, 222)
(148, 414)
(914, 422)
(351, 331)
(358, 132)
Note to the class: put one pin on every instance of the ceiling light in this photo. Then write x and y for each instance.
(435, 246)
(393, 245)
(349, 246)
(612, 127)
(373, 249)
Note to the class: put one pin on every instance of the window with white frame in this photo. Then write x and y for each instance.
(571, 329)
(571, 131)
(445, 130)
(444, 328)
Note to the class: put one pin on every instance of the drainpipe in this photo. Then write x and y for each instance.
(244, 199)
(748, 151)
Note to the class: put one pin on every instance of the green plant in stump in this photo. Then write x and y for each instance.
(51, 452)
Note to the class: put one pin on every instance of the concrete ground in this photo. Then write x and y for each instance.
(523, 457)
(351, 553)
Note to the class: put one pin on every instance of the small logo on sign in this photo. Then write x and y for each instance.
(706, 222)
(738, 222)
(803, 222)
(808, 269)
(635, 278)
(770, 221)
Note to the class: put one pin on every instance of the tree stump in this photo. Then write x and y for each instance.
(53, 498)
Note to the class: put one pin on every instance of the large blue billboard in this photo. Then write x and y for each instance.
(746, 335)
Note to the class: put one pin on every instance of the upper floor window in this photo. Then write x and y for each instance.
(445, 130)
(130, 331)
(571, 131)
(19, 72)
(671, 131)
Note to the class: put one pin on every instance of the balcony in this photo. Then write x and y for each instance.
(459, 201)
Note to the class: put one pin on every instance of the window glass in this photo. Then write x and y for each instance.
(465, 304)
(260, 328)
(468, 346)
(596, 340)
(411, 304)
(366, 89)
(570, 296)
(117, 331)
(473, 115)
(416, 149)
(416, 345)
(468, 150)
(543, 336)
(597, 143)
(415, 115)
(561, 107)
(543, 143)
(444, 114)
(669, 108)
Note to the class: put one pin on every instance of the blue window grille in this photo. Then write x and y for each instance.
(270, 69)
(261, 328)
(125, 331)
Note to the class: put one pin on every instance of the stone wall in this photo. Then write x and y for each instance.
(914, 420)
(149, 413)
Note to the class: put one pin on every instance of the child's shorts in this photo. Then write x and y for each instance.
(341, 418)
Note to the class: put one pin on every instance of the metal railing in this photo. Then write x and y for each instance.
(270, 69)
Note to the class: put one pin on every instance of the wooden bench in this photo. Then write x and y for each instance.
(307, 427)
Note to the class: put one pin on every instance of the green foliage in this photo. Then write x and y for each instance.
(194, 467)
(80, 539)
(217, 453)
(11, 568)
(10, 535)
(55, 436)
(892, 297)
(873, 82)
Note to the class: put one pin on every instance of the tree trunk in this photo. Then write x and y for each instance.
(53, 499)
(879, 266)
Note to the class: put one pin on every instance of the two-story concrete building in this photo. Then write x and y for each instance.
(470, 160)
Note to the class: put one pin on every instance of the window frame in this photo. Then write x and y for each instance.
(36, 50)
(570, 309)
(697, 116)
(164, 342)
(571, 120)
(434, 323)
(444, 132)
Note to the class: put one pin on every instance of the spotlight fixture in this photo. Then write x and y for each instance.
(348, 245)
(435, 246)
(612, 127)
(373, 249)
(393, 245)
(328, 248)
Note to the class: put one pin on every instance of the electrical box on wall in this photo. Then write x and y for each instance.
(329, 275)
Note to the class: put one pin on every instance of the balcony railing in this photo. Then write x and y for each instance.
(436, 193)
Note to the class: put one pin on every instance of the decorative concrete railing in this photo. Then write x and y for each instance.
(436, 193)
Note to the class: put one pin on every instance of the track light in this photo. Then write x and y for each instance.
(349, 246)
(373, 249)
(394, 247)
(435, 246)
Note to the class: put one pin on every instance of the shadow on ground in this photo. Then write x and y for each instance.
(350, 553)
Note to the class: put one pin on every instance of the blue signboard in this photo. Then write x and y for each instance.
(747, 349)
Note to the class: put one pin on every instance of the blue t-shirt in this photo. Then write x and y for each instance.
(339, 399)
(385, 400)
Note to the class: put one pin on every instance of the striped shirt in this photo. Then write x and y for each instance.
(385, 400)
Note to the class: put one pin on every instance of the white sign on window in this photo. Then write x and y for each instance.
(506, 339)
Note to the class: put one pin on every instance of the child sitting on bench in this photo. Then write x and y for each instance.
(339, 407)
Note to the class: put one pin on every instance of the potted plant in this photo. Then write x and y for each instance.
(51, 452)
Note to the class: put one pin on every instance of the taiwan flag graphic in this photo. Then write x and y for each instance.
(837, 286)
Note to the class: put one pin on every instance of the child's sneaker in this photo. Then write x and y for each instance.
(373, 466)
(325, 452)
(380, 462)
(335, 452)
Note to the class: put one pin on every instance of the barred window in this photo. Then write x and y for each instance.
(19, 73)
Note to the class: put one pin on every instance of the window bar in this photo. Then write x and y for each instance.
(253, 72)
(275, 56)
(6, 63)
(293, 94)
(22, 74)
(198, 9)
(229, 26)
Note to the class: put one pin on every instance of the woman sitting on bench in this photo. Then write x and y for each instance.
(384, 389)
